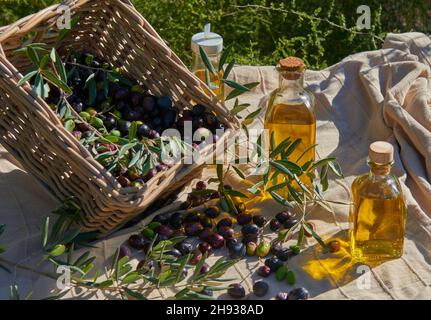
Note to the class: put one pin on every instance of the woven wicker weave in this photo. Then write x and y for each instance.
(33, 133)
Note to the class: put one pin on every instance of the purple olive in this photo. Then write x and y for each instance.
(201, 185)
(123, 181)
(151, 174)
(164, 231)
(193, 229)
(282, 296)
(264, 271)
(136, 241)
(205, 268)
(244, 218)
(153, 134)
(124, 252)
(274, 225)
(205, 247)
(197, 256)
(216, 241)
(283, 216)
(205, 234)
(227, 232)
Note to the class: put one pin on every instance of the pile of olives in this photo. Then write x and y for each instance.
(215, 229)
(116, 102)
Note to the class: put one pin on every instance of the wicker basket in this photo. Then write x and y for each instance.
(33, 133)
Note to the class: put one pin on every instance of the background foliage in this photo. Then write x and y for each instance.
(320, 31)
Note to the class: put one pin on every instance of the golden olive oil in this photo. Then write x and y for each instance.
(216, 85)
(290, 114)
(378, 215)
(297, 122)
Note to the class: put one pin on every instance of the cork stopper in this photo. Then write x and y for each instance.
(292, 64)
(381, 152)
(291, 67)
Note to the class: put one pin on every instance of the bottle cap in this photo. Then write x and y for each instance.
(293, 64)
(211, 42)
(381, 152)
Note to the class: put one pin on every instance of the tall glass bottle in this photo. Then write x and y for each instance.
(290, 111)
(212, 44)
(378, 213)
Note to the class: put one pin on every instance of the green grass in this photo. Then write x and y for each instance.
(321, 32)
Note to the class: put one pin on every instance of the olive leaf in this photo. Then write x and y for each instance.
(235, 93)
(228, 69)
(207, 61)
(224, 57)
(250, 117)
(280, 199)
(26, 78)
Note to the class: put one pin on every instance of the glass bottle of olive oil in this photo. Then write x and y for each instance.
(378, 213)
(290, 111)
(212, 44)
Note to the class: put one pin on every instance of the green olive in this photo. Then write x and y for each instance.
(263, 249)
(291, 278)
(251, 248)
(115, 133)
(96, 122)
(281, 273)
(148, 233)
(85, 115)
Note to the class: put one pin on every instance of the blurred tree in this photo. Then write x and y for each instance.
(262, 31)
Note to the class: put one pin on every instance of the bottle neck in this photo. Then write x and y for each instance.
(377, 169)
(291, 81)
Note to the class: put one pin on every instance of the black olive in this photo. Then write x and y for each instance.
(184, 247)
(110, 122)
(176, 220)
(124, 126)
(143, 130)
(236, 290)
(273, 263)
(212, 212)
(298, 294)
(260, 288)
(237, 251)
(136, 241)
(164, 102)
(198, 110)
(148, 103)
